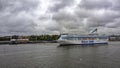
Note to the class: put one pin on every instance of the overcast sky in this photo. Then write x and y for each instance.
(27, 17)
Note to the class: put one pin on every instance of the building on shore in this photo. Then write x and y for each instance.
(19, 39)
(114, 38)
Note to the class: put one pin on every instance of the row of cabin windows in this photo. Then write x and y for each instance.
(83, 38)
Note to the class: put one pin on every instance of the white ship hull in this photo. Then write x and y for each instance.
(82, 42)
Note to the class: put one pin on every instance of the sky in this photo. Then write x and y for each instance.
(35, 17)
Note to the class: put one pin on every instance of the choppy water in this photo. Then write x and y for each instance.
(50, 55)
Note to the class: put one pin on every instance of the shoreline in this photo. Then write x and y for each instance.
(30, 42)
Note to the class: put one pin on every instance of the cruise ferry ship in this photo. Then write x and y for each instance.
(90, 39)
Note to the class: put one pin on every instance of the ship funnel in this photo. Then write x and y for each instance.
(94, 31)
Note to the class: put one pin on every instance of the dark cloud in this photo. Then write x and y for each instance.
(114, 24)
(116, 5)
(63, 16)
(18, 5)
(67, 20)
(4, 4)
(102, 19)
(14, 16)
(60, 4)
(13, 24)
(95, 4)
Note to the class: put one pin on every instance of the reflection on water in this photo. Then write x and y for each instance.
(51, 55)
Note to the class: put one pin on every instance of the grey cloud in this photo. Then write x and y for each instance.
(3, 4)
(95, 4)
(82, 13)
(24, 5)
(15, 6)
(67, 20)
(63, 16)
(103, 19)
(60, 4)
(114, 24)
(116, 5)
(12, 24)
(14, 16)
(54, 27)
(97, 13)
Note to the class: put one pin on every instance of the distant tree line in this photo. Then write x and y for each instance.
(4, 38)
(32, 37)
(43, 38)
